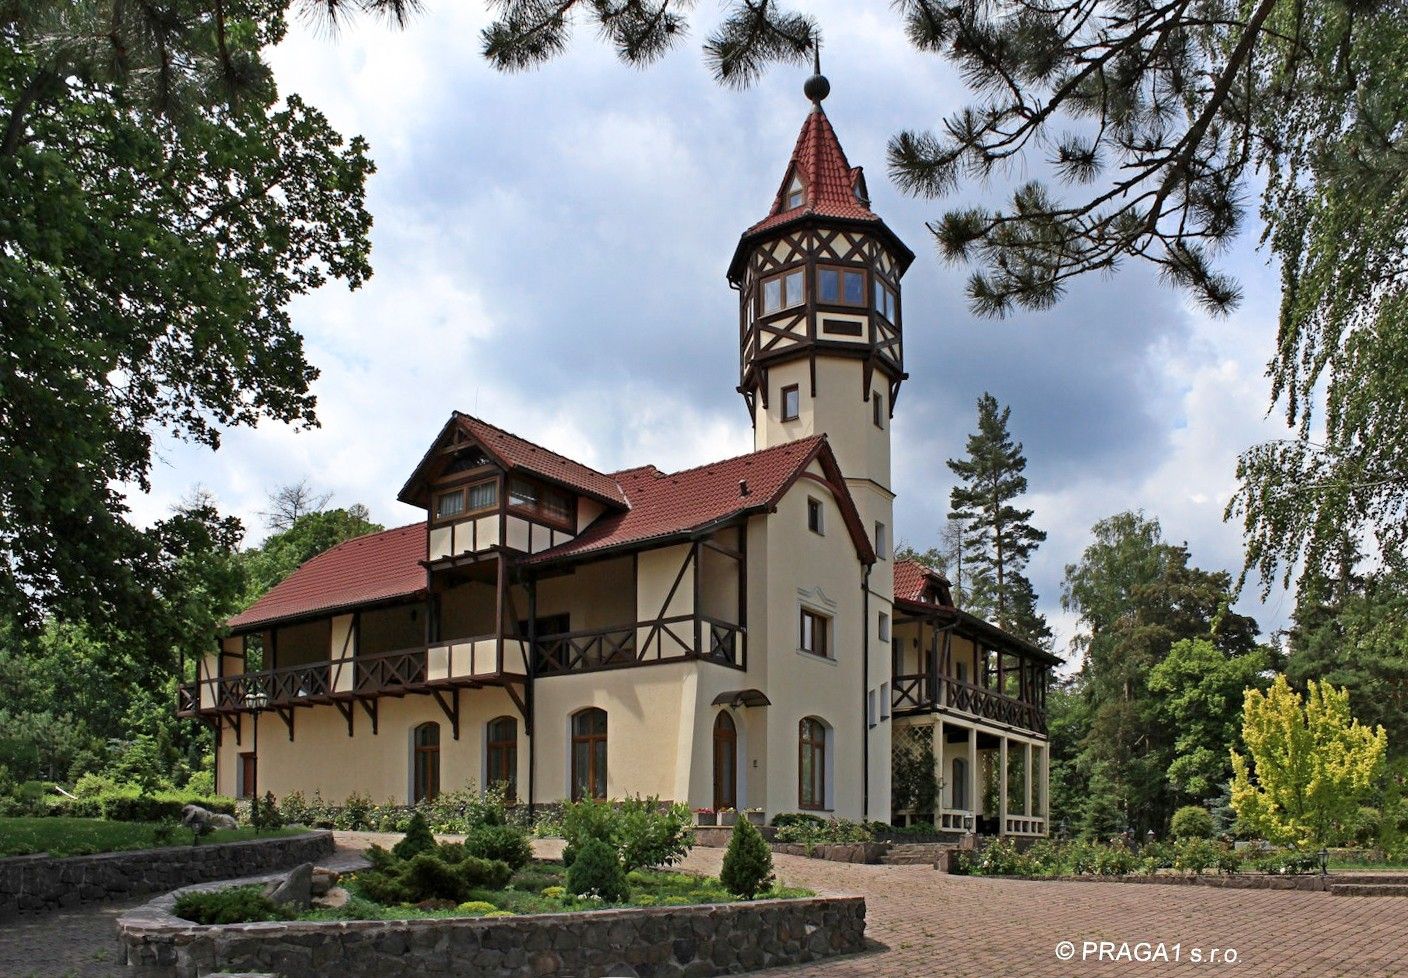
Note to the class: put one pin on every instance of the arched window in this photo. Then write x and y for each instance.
(811, 764)
(960, 784)
(589, 754)
(725, 762)
(425, 783)
(502, 755)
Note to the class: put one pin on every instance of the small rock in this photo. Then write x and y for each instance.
(324, 880)
(332, 899)
(296, 887)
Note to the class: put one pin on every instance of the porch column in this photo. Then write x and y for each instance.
(1027, 777)
(1002, 789)
(973, 796)
(939, 806)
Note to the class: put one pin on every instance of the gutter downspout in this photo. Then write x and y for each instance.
(865, 690)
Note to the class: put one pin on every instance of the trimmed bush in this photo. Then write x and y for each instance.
(417, 839)
(597, 871)
(128, 804)
(747, 868)
(1191, 822)
(441, 872)
(477, 907)
(504, 843)
(237, 905)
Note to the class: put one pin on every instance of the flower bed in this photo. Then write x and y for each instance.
(1186, 859)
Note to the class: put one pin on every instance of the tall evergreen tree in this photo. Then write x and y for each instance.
(998, 537)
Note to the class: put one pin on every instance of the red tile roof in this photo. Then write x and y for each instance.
(913, 580)
(520, 453)
(665, 504)
(831, 183)
(368, 569)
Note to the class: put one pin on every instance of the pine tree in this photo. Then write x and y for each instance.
(998, 538)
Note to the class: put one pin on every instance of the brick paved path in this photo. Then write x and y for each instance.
(924, 924)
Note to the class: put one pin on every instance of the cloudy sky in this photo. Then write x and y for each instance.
(549, 254)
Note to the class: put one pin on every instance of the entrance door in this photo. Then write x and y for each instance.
(247, 775)
(725, 762)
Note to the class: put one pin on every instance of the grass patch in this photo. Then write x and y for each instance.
(539, 888)
(86, 836)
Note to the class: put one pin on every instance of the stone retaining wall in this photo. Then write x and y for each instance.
(1235, 881)
(36, 884)
(854, 852)
(653, 942)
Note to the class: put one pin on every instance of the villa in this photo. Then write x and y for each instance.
(734, 635)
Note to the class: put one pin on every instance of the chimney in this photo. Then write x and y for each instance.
(743, 487)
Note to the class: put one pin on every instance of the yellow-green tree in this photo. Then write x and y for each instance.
(1311, 764)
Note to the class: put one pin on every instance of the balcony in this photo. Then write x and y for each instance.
(443, 665)
(679, 638)
(923, 693)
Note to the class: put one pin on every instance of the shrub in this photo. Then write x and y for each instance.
(1115, 859)
(1289, 862)
(836, 831)
(783, 819)
(440, 873)
(584, 820)
(998, 858)
(477, 907)
(505, 843)
(747, 868)
(265, 815)
(1191, 822)
(417, 839)
(597, 870)
(647, 834)
(554, 892)
(238, 905)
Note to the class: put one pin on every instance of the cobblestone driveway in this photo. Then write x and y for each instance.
(924, 924)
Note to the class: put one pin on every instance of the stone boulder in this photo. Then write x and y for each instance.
(196, 817)
(332, 899)
(296, 888)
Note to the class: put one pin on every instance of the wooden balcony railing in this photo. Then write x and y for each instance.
(922, 692)
(443, 664)
(664, 640)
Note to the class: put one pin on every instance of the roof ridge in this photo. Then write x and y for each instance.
(735, 458)
(529, 441)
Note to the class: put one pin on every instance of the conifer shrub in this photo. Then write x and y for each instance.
(596, 870)
(505, 843)
(1191, 822)
(747, 869)
(417, 839)
(236, 905)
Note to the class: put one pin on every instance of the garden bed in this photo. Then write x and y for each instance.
(62, 836)
(662, 941)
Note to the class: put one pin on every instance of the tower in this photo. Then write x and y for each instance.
(821, 338)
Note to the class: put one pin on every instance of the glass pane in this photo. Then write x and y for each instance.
(791, 403)
(807, 794)
(794, 288)
(599, 770)
(829, 285)
(772, 295)
(855, 289)
(580, 766)
(484, 495)
(449, 504)
(879, 296)
(522, 493)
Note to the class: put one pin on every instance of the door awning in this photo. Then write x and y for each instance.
(742, 697)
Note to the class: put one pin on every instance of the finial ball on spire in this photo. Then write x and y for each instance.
(816, 87)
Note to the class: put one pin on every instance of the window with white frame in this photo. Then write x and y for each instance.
(882, 548)
(884, 627)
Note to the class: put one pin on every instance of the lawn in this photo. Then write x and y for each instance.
(84, 836)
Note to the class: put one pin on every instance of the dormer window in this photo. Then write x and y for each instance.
(840, 286)
(782, 292)
(796, 194)
(466, 500)
(540, 500)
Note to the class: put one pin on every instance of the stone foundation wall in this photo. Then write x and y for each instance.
(36, 884)
(654, 942)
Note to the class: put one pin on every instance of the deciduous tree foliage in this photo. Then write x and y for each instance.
(1308, 767)
(161, 208)
(307, 536)
(997, 537)
(1136, 595)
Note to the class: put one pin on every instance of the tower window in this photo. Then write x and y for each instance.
(877, 409)
(881, 542)
(796, 194)
(886, 302)
(815, 516)
(840, 286)
(884, 627)
(782, 292)
(813, 633)
(791, 403)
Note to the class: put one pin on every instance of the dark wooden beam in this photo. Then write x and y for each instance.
(450, 708)
(347, 711)
(370, 705)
